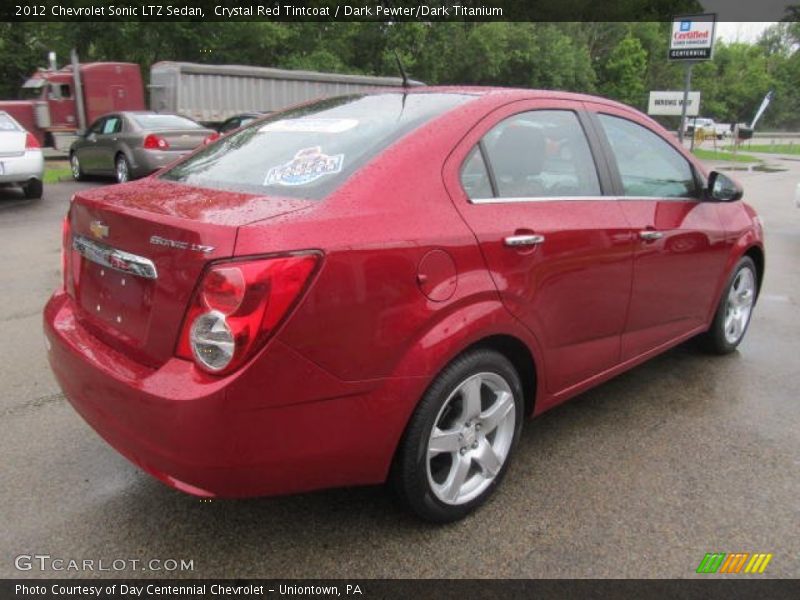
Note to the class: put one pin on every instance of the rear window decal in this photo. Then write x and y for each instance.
(310, 125)
(307, 165)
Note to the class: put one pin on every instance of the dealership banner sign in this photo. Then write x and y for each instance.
(671, 103)
(692, 37)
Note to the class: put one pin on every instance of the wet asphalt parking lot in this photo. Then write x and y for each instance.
(640, 477)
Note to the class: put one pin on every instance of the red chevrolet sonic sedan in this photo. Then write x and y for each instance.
(383, 286)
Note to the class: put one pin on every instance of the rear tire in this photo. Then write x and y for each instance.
(122, 169)
(734, 311)
(33, 189)
(75, 167)
(461, 437)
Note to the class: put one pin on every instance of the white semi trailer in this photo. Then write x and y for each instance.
(212, 93)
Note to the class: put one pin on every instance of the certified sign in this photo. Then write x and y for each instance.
(692, 37)
(671, 103)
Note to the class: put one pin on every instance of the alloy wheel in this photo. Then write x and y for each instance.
(739, 305)
(471, 438)
(122, 170)
(75, 165)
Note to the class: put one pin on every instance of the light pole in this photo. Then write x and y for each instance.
(687, 83)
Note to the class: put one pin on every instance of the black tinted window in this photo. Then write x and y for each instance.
(230, 125)
(97, 126)
(307, 152)
(648, 165)
(541, 153)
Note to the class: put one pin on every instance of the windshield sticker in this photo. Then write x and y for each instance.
(310, 125)
(307, 165)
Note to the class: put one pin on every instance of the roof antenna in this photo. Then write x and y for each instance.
(406, 83)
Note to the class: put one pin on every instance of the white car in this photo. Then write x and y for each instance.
(21, 160)
(708, 127)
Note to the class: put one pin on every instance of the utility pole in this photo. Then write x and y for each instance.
(687, 84)
(76, 78)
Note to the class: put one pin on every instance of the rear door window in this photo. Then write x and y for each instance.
(541, 154)
(112, 125)
(307, 152)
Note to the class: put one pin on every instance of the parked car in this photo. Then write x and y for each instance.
(384, 286)
(132, 144)
(238, 121)
(698, 124)
(21, 161)
(708, 127)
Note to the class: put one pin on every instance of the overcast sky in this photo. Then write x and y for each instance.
(740, 31)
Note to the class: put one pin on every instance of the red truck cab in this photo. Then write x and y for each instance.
(52, 110)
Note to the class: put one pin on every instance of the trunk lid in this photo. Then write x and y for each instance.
(183, 139)
(175, 228)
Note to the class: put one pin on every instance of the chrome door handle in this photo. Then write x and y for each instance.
(523, 240)
(649, 235)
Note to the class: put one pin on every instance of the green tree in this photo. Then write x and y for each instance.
(620, 60)
(779, 44)
(624, 72)
(734, 83)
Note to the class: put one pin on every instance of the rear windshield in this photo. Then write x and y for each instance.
(7, 123)
(165, 122)
(307, 152)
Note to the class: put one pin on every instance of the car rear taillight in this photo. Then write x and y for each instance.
(155, 142)
(211, 138)
(31, 142)
(237, 307)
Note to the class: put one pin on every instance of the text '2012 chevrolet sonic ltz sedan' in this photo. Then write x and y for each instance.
(382, 287)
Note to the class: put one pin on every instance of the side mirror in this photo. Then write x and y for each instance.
(722, 188)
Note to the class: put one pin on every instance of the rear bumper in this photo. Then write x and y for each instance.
(147, 161)
(20, 169)
(231, 437)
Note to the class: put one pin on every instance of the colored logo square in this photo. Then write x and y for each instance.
(686, 25)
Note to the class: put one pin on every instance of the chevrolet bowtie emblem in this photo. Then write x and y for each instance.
(99, 229)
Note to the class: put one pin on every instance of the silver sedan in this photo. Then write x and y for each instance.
(132, 144)
(21, 160)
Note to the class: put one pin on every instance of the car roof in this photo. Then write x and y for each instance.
(496, 91)
(504, 95)
(510, 94)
